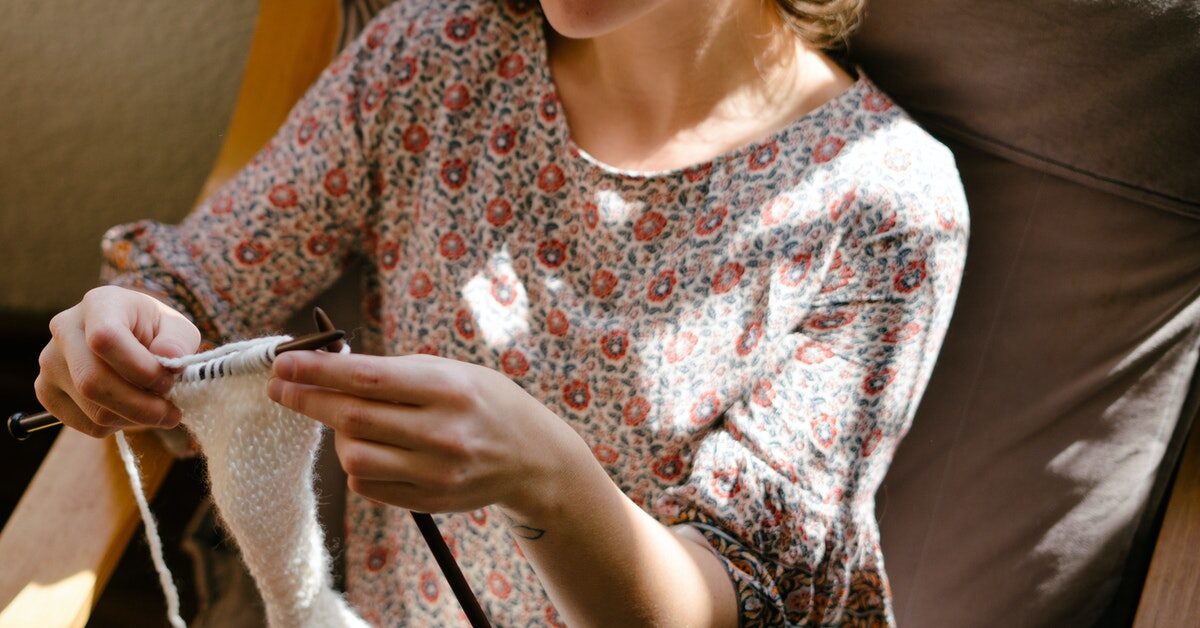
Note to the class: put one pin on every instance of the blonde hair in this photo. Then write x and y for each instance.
(825, 24)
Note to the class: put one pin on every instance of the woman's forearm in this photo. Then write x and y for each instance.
(606, 562)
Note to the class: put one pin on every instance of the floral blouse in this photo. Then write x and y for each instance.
(742, 342)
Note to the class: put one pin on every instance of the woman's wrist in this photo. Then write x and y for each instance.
(546, 495)
(590, 545)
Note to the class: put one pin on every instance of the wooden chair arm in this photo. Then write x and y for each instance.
(71, 527)
(77, 515)
(1171, 595)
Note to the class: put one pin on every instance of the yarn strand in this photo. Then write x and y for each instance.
(152, 538)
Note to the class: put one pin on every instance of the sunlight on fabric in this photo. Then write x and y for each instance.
(498, 301)
(614, 209)
(54, 604)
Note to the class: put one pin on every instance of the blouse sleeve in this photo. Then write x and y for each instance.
(280, 231)
(784, 490)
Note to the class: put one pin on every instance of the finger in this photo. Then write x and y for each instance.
(96, 383)
(55, 386)
(410, 379)
(99, 415)
(346, 414)
(370, 460)
(407, 496)
(115, 343)
(64, 408)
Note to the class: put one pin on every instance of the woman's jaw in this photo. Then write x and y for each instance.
(585, 19)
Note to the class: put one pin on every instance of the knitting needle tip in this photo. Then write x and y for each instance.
(324, 323)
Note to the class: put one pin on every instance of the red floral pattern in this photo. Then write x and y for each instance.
(742, 342)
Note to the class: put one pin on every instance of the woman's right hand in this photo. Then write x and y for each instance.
(99, 373)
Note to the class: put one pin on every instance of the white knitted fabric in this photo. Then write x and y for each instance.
(260, 464)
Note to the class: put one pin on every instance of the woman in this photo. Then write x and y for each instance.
(681, 279)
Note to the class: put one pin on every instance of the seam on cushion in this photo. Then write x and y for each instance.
(1179, 205)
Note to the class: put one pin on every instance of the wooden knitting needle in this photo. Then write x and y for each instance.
(429, 530)
(21, 425)
(312, 342)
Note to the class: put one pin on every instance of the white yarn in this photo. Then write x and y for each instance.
(156, 553)
(235, 358)
(260, 460)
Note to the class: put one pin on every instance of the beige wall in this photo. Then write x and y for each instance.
(110, 111)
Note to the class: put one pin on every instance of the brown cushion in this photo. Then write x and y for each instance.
(1025, 493)
(1100, 92)
(1019, 490)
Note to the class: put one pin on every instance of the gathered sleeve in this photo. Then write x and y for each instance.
(784, 489)
(283, 228)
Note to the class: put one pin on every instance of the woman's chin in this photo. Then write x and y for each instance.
(584, 19)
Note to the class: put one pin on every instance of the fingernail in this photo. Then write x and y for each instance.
(285, 366)
(274, 388)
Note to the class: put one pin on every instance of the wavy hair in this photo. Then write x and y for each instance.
(825, 24)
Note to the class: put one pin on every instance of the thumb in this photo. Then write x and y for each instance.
(175, 337)
(165, 347)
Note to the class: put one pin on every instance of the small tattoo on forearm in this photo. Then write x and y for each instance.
(528, 533)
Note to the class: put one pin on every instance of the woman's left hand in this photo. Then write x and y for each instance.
(432, 434)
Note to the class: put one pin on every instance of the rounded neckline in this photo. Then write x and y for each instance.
(561, 126)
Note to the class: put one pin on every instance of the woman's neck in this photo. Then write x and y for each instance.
(687, 81)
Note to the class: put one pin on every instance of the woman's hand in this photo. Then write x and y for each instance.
(436, 435)
(99, 373)
(432, 434)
